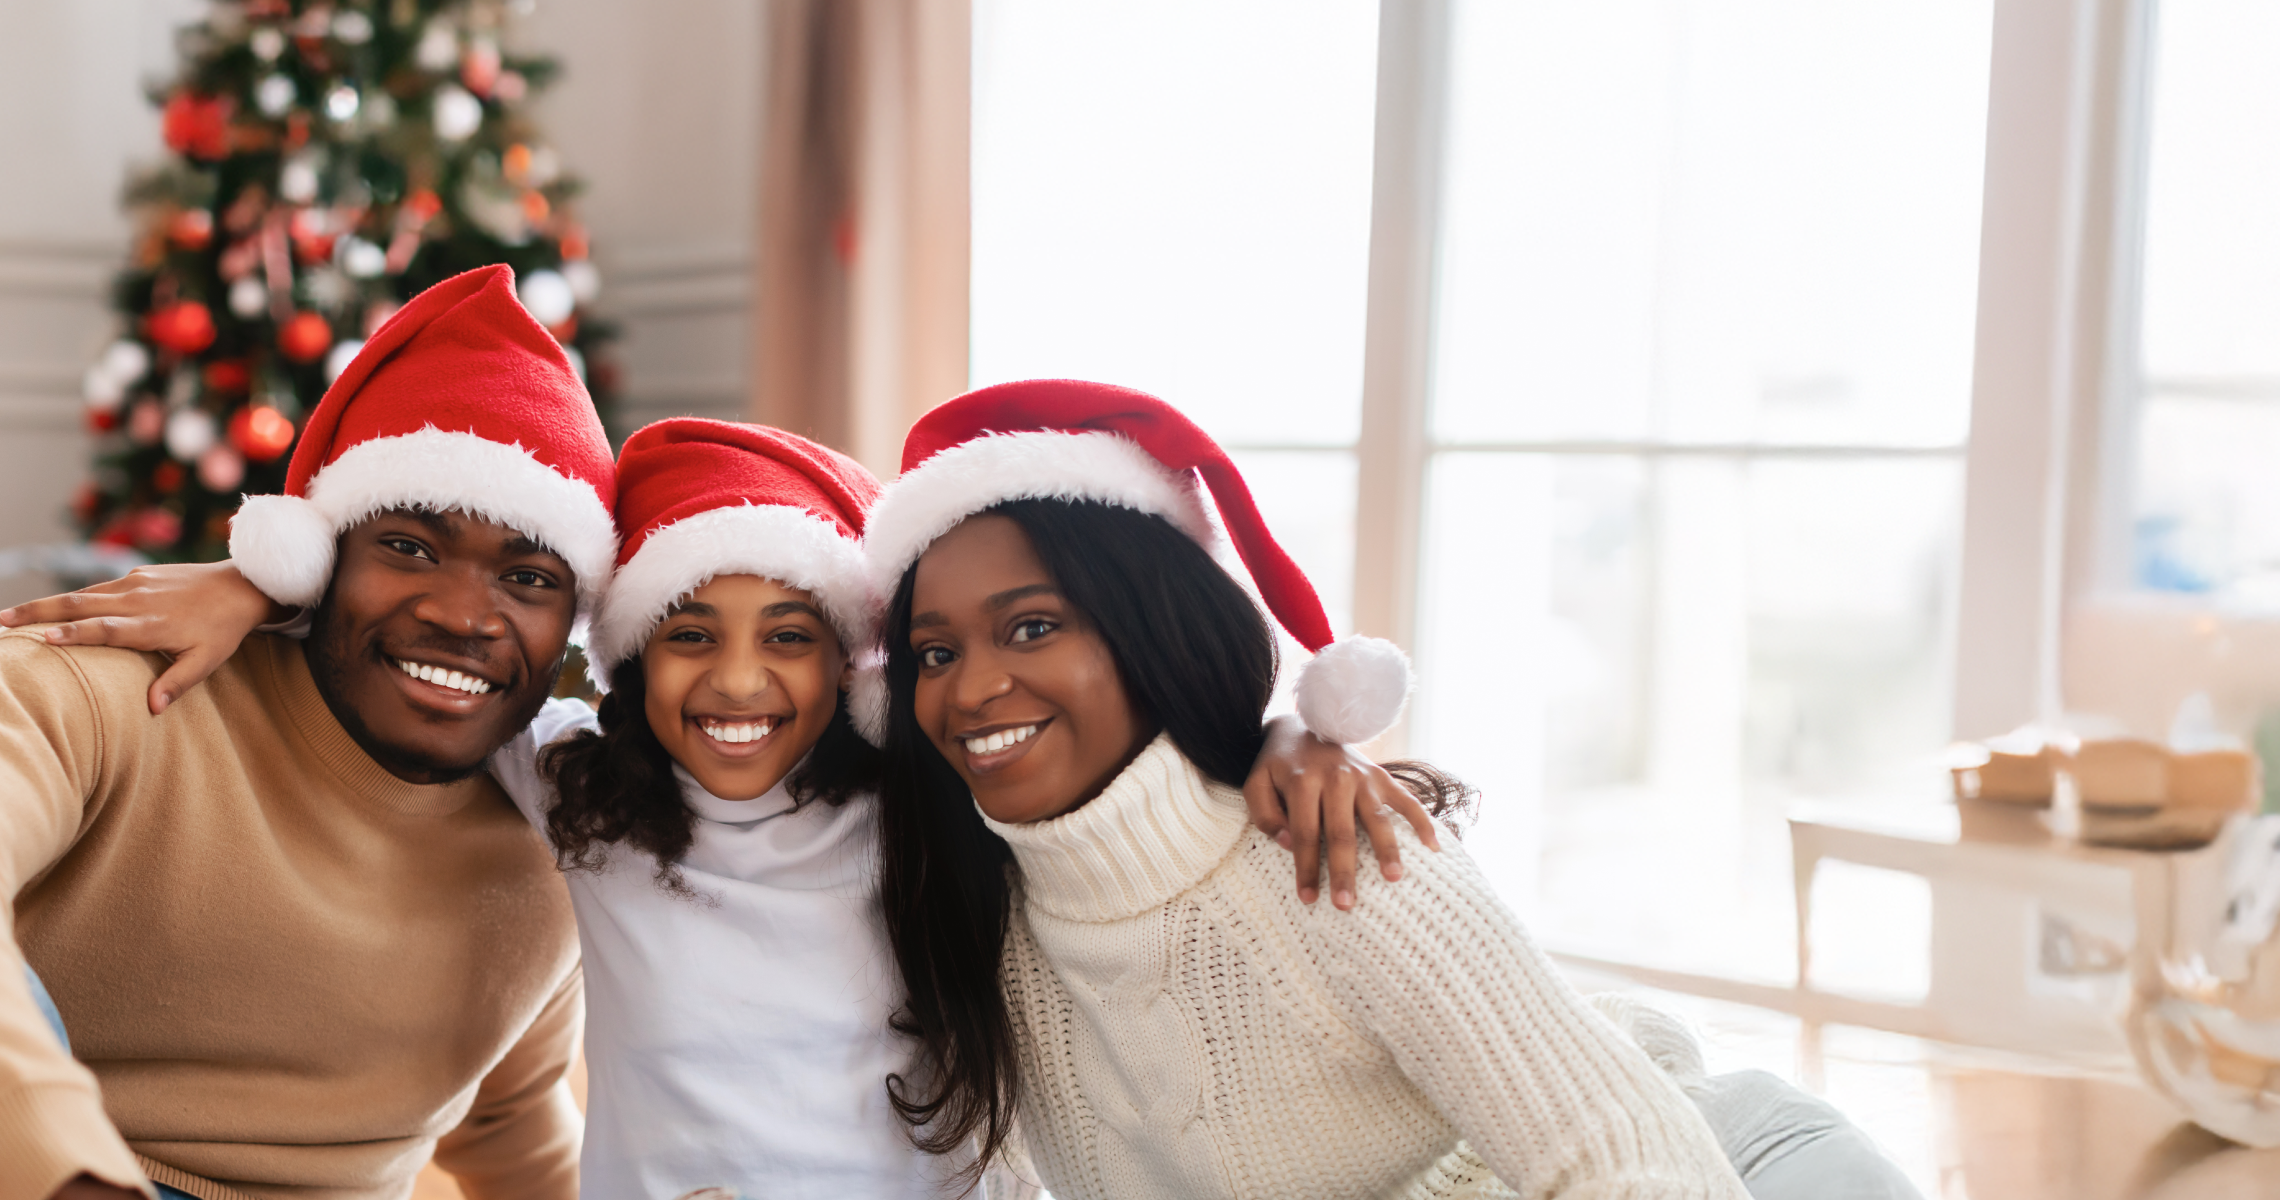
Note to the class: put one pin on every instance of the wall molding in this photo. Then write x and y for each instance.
(63, 268)
(677, 279)
(22, 413)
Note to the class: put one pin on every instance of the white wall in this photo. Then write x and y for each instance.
(658, 108)
(72, 118)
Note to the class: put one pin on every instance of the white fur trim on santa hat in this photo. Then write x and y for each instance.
(867, 697)
(935, 495)
(790, 545)
(284, 545)
(1354, 689)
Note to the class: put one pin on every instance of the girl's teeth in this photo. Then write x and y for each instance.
(737, 735)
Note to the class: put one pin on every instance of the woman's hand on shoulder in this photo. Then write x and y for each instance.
(194, 613)
(1309, 795)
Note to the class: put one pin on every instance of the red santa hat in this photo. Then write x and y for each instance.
(1064, 439)
(460, 402)
(700, 498)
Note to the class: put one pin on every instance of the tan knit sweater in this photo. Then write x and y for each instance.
(293, 974)
(1188, 1028)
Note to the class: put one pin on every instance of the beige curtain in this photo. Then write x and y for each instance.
(861, 296)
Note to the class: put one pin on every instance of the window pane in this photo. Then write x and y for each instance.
(1175, 196)
(1642, 661)
(1711, 220)
(2212, 249)
(2207, 512)
(2208, 497)
(1307, 500)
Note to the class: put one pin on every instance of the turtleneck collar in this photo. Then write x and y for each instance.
(776, 801)
(1155, 831)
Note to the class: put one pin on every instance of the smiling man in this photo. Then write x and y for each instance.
(300, 943)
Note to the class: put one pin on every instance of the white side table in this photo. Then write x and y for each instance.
(2019, 918)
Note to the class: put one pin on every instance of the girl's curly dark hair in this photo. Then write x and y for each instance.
(616, 787)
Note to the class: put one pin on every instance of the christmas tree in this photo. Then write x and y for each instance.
(328, 161)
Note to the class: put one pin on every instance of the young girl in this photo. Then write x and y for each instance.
(1074, 693)
(715, 818)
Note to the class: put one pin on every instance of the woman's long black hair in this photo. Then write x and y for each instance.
(1197, 660)
(616, 787)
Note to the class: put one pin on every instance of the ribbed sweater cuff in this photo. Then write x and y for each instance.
(51, 1135)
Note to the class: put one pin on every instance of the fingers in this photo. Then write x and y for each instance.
(1399, 799)
(1265, 805)
(70, 606)
(132, 633)
(186, 672)
(1338, 824)
(1304, 799)
(1377, 821)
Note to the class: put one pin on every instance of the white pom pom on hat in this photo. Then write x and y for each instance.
(1067, 439)
(286, 543)
(1354, 689)
(867, 699)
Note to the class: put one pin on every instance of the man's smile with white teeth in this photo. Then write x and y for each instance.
(443, 677)
(739, 732)
(994, 742)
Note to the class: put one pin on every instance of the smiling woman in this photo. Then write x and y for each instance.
(1091, 934)
(1017, 689)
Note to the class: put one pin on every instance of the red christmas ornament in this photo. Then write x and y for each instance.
(146, 422)
(184, 327)
(118, 531)
(228, 375)
(423, 204)
(167, 478)
(197, 125)
(479, 68)
(191, 229)
(102, 420)
(305, 337)
(156, 528)
(221, 469)
(261, 433)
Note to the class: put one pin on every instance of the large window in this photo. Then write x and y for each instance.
(1698, 369)
(2206, 369)
(1176, 197)
(1701, 383)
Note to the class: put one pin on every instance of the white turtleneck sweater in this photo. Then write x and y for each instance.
(1188, 1028)
(737, 1039)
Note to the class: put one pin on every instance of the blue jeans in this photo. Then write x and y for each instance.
(46, 1004)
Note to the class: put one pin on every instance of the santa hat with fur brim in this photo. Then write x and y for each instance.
(700, 498)
(1064, 439)
(461, 402)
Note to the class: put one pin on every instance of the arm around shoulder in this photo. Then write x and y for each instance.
(1545, 1090)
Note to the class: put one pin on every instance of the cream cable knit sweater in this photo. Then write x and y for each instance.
(1188, 1028)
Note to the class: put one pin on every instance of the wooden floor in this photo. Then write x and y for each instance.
(1964, 1124)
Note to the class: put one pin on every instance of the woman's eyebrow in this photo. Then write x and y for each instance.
(785, 608)
(692, 608)
(1008, 596)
